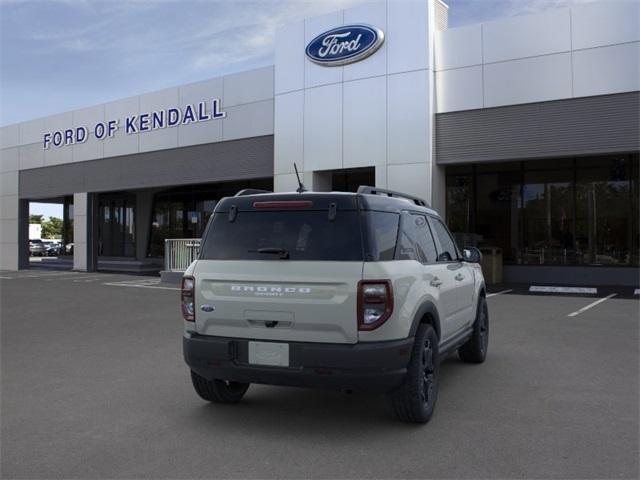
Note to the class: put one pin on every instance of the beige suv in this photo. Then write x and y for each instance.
(352, 291)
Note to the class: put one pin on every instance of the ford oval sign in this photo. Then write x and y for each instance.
(343, 45)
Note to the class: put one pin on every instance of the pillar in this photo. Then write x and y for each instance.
(9, 209)
(84, 232)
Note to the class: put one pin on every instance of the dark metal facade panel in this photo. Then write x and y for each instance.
(572, 127)
(214, 162)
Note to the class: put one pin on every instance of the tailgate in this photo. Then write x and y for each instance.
(298, 301)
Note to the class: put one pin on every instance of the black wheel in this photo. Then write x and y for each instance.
(218, 391)
(415, 399)
(475, 350)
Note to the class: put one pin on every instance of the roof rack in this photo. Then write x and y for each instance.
(250, 191)
(390, 193)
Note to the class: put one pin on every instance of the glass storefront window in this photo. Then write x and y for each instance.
(116, 225)
(460, 205)
(604, 210)
(634, 163)
(67, 226)
(166, 222)
(548, 220)
(570, 211)
(183, 212)
(498, 206)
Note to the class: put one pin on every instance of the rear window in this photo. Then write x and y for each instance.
(267, 235)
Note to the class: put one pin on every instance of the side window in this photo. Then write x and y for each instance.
(383, 236)
(416, 242)
(447, 245)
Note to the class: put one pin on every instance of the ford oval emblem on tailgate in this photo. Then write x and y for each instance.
(207, 308)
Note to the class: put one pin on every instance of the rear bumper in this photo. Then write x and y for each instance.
(372, 367)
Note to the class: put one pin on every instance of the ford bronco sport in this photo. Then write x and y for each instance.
(353, 291)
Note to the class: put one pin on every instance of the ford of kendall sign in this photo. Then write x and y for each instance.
(139, 123)
(343, 45)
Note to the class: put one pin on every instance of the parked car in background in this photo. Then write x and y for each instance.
(53, 247)
(68, 248)
(37, 248)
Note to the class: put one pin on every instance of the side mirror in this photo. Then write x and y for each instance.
(444, 257)
(472, 255)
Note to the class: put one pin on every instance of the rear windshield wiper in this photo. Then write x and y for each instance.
(283, 252)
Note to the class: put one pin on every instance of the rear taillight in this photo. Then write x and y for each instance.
(375, 303)
(187, 299)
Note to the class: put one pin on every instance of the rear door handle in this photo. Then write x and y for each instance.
(436, 282)
(459, 277)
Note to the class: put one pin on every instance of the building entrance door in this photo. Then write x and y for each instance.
(116, 225)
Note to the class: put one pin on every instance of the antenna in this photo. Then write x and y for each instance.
(300, 188)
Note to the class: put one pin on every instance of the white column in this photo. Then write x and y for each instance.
(81, 234)
(410, 99)
(438, 199)
(375, 113)
(9, 209)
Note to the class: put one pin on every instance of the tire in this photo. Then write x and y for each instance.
(415, 400)
(218, 391)
(475, 350)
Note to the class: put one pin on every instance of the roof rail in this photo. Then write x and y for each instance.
(250, 191)
(390, 193)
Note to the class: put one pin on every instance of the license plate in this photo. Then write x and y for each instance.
(269, 353)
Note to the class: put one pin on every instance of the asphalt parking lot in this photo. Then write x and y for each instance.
(94, 386)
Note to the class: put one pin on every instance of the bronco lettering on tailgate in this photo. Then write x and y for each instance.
(272, 290)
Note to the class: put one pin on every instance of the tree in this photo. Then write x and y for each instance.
(36, 219)
(52, 228)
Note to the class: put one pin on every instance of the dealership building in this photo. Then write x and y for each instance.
(523, 132)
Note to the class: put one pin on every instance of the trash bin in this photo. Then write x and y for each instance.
(492, 264)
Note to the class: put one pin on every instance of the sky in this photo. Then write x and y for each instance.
(60, 55)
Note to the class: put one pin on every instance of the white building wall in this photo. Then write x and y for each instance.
(246, 97)
(372, 113)
(589, 49)
(9, 164)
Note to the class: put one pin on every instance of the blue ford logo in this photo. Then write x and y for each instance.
(343, 45)
(207, 308)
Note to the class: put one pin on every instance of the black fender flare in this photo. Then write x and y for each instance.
(482, 291)
(427, 308)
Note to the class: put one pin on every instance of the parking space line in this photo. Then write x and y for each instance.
(6, 278)
(83, 279)
(139, 281)
(134, 285)
(499, 293)
(591, 305)
(61, 278)
(46, 275)
(551, 289)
